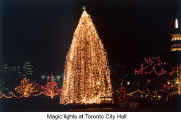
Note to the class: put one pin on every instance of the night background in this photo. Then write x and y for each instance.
(41, 31)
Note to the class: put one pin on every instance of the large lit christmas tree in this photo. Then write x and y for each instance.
(86, 73)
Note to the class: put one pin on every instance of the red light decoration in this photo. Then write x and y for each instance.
(153, 65)
(51, 88)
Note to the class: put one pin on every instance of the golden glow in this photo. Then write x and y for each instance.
(175, 49)
(178, 83)
(176, 37)
(159, 97)
(87, 75)
(25, 88)
(178, 86)
(128, 83)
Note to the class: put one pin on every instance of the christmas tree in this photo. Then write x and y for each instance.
(86, 73)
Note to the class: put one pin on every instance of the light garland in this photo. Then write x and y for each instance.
(26, 88)
(86, 73)
(175, 49)
(176, 37)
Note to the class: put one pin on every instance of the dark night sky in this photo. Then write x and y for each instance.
(41, 30)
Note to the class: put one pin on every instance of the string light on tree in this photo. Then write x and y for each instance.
(86, 73)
